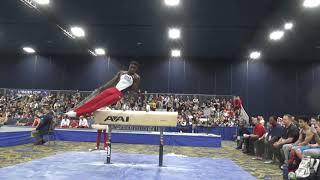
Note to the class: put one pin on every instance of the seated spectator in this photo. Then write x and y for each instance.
(242, 130)
(195, 121)
(250, 140)
(313, 121)
(148, 108)
(314, 149)
(2, 118)
(275, 132)
(259, 144)
(43, 127)
(290, 135)
(22, 122)
(305, 137)
(74, 124)
(65, 122)
(83, 123)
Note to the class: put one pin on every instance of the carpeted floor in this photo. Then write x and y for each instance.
(23, 153)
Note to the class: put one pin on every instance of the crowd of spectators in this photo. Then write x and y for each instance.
(24, 108)
(287, 140)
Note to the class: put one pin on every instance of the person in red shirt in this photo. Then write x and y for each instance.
(74, 124)
(36, 122)
(237, 104)
(258, 133)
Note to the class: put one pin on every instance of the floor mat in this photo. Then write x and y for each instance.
(90, 165)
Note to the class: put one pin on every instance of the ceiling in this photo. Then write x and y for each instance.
(226, 29)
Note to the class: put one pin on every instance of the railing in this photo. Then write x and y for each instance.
(201, 97)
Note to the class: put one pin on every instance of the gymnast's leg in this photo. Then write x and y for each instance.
(105, 98)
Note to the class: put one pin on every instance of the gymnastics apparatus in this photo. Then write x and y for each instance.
(135, 118)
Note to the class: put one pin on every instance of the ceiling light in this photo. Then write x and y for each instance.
(255, 55)
(172, 2)
(42, 2)
(174, 33)
(77, 31)
(311, 3)
(175, 53)
(276, 35)
(100, 51)
(288, 26)
(29, 50)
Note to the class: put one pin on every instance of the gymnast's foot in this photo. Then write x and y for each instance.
(71, 114)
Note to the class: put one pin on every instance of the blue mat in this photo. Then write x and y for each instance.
(135, 137)
(128, 137)
(89, 165)
(15, 138)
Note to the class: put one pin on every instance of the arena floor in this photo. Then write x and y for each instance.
(18, 154)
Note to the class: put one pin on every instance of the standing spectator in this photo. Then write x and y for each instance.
(291, 134)
(237, 105)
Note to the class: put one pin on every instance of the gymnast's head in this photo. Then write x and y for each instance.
(133, 67)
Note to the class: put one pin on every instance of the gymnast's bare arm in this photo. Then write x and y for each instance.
(136, 82)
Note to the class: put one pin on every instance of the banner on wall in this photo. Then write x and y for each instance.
(24, 92)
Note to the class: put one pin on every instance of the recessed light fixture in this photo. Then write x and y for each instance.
(255, 55)
(77, 31)
(175, 53)
(174, 33)
(42, 2)
(311, 3)
(172, 2)
(288, 26)
(276, 35)
(100, 51)
(28, 50)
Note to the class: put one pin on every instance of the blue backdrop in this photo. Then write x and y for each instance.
(265, 87)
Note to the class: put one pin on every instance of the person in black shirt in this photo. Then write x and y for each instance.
(274, 134)
(290, 135)
(242, 130)
(43, 127)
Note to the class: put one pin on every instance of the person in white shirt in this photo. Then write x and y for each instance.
(83, 123)
(65, 122)
(148, 108)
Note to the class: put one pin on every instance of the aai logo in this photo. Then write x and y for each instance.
(117, 119)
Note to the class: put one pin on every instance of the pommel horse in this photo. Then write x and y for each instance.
(136, 118)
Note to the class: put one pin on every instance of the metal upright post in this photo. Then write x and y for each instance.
(109, 145)
(161, 147)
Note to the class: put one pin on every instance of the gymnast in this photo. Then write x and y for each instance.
(109, 93)
(106, 95)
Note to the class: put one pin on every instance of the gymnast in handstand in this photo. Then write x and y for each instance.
(108, 94)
